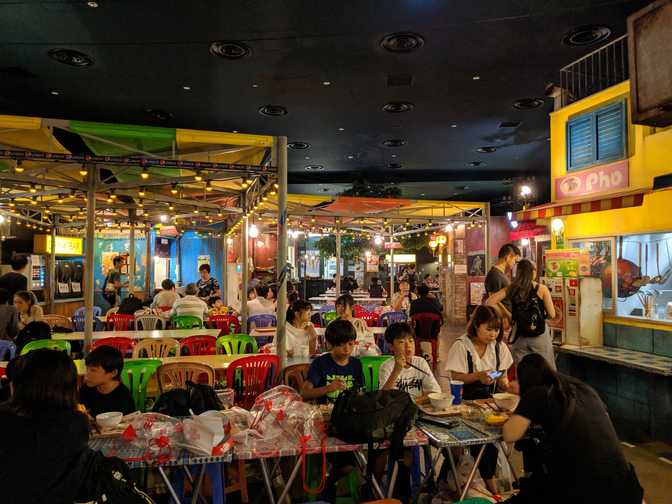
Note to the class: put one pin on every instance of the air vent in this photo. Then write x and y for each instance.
(394, 166)
(229, 49)
(399, 80)
(487, 150)
(509, 124)
(314, 167)
(402, 42)
(394, 142)
(16, 73)
(398, 107)
(273, 110)
(298, 145)
(587, 35)
(71, 57)
(160, 115)
(528, 103)
(476, 164)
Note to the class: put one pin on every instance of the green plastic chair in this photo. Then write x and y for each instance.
(235, 344)
(186, 322)
(136, 375)
(329, 316)
(474, 500)
(371, 367)
(47, 343)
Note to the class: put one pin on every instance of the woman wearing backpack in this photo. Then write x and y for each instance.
(531, 305)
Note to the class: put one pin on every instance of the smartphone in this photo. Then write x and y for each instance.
(495, 374)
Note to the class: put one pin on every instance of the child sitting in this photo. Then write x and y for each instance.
(397, 373)
(102, 391)
(336, 370)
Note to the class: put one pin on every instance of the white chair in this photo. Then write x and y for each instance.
(148, 322)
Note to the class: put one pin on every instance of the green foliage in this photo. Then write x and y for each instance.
(413, 244)
(351, 247)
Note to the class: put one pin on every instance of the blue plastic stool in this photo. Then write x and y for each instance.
(214, 471)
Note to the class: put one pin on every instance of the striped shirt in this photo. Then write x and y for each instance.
(190, 305)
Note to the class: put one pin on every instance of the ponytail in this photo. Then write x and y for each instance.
(296, 307)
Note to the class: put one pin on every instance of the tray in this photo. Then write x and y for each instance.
(456, 410)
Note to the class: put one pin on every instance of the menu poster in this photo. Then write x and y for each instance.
(476, 292)
(460, 269)
(201, 260)
(567, 263)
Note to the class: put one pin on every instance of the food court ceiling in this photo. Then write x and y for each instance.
(412, 109)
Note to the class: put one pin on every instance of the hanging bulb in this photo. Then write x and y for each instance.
(171, 207)
(249, 181)
(141, 204)
(113, 195)
(276, 186)
(11, 203)
(208, 186)
(199, 176)
(33, 201)
(83, 171)
(272, 193)
(19, 167)
(144, 175)
(33, 189)
(244, 185)
(141, 192)
(173, 189)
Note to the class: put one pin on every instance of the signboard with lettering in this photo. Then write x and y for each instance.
(572, 262)
(65, 245)
(597, 180)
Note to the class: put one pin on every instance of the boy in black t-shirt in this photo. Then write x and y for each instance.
(102, 390)
(337, 370)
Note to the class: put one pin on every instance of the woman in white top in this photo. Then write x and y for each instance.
(301, 338)
(27, 308)
(166, 298)
(480, 360)
(366, 343)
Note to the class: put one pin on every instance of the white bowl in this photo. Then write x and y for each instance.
(441, 400)
(506, 401)
(109, 420)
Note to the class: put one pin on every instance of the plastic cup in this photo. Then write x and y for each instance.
(456, 389)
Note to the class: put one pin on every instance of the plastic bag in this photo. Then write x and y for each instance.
(157, 434)
(204, 433)
(270, 409)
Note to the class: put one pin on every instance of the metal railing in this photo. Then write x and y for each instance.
(596, 71)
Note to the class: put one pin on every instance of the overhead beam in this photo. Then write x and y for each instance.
(27, 178)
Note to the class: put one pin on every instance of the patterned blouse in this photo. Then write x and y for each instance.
(207, 288)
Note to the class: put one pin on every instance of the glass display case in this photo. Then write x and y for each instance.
(644, 282)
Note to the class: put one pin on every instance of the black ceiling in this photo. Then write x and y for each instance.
(477, 59)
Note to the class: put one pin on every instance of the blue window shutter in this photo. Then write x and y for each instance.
(580, 142)
(610, 127)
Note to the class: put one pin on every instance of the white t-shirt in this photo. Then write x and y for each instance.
(296, 339)
(457, 357)
(259, 306)
(190, 305)
(410, 380)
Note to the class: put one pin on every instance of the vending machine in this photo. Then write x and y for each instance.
(37, 275)
(578, 306)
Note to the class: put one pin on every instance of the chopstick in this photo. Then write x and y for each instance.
(416, 367)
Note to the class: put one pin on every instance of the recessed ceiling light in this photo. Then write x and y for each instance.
(186, 88)
(476, 163)
(394, 155)
(528, 103)
(273, 110)
(422, 194)
(326, 83)
(487, 149)
(398, 107)
(307, 158)
(350, 156)
(70, 57)
(586, 35)
(476, 77)
(229, 49)
(298, 145)
(315, 167)
(92, 4)
(402, 42)
(255, 85)
(453, 125)
(55, 93)
(341, 129)
(394, 142)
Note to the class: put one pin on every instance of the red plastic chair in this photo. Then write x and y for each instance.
(358, 310)
(225, 323)
(120, 322)
(427, 327)
(198, 345)
(250, 376)
(124, 345)
(371, 319)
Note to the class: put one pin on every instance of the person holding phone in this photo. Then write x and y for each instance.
(480, 360)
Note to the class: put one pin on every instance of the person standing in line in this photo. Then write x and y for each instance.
(15, 280)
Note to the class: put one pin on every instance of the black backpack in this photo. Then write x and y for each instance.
(36, 330)
(196, 397)
(370, 417)
(130, 305)
(529, 316)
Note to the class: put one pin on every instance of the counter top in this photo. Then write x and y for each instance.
(664, 325)
(637, 360)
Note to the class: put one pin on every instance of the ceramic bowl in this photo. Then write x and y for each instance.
(109, 420)
(506, 401)
(441, 400)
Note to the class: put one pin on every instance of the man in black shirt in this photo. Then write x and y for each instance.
(425, 304)
(497, 278)
(15, 280)
(102, 390)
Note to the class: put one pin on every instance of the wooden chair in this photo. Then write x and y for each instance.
(295, 375)
(156, 347)
(175, 375)
(57, 321)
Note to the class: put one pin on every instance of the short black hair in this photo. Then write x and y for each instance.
(423, 291)
(4, 296)
(262, 290)
(339, 332)
(18, 262)
(507, 249)
(117, 260)
(107, 357)
(249, 290)
(296, 307)
(204, 267)
(484, 314)
(213, 300)
(167, 284)
(345, 300)
(427, 275)
(398, 330)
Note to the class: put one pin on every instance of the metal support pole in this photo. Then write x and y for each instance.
(131, 252)
(244, 243)
(88, 259)
(391, 264)
(280, 147)
(52, 268)
(178, 262)
(225, 271)
(149, 262)
(486, 234)
(338, 260)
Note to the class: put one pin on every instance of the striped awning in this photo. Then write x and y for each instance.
(577, 207)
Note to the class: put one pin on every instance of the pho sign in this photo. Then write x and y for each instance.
(601, 179)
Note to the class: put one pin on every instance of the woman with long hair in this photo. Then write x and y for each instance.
(531, 305)
(45, 434)
(301, 335)
(366, 343)
(27, 308)
(581, 459)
